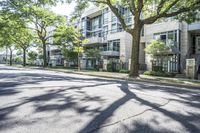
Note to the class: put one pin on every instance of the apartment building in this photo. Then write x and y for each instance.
(185, 39)
(104, 31)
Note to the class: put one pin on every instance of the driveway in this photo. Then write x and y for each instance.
(41, 101)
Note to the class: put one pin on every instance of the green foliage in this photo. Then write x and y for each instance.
(157, 68)
(18, 60)
(93, 53)
(157, 48)
(69, 36)
(109, 67)
(161, 74)
(32, 56)
(69, 54)
(124, 71)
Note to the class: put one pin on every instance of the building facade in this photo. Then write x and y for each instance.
(105, 33)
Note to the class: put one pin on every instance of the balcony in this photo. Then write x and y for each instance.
(95, 40)
(110, 53)
(194, 26)
(54, 57)
(92, 12)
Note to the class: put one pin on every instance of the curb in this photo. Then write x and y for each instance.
(124, 78)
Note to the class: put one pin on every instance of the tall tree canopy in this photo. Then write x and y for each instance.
(39, 17)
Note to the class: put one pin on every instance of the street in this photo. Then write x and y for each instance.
(42, 101)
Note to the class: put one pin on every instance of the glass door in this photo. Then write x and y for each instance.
(198, 45)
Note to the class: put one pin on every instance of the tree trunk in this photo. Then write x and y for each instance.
(44, 54)
(6, 54)
(79, 63)
(24, 57)
(134, 70)
(10, 57)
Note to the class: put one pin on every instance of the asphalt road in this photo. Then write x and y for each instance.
(40, 101)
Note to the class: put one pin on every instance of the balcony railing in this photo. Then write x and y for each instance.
(110, 53)
(93, 40)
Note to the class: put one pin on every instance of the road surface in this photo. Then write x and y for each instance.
(41, 101)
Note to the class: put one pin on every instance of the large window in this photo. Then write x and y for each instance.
(114, 28)
(169, 38)
(127, 15)
(114, 18)
(105, 31)
(114, 45)
(83, 24)
(96, 23)
(105, 16)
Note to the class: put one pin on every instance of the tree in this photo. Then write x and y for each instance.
(18, 60)
(16, 31)
(32, 56)
(43, 19)
(143, 12)
(5, 36)
(69, 36)
(22, 37)
(36, 13)
(159, 50)
(23, 40)
(69, 54)
(93, 54)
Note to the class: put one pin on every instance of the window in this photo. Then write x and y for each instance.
(110, 46)
(119, 28)
(97, 34)
(114, 28)
(105, 16)
(127, 16)
(83, 25)
(169, 38)
(105, 31)
(114, 45)
(96, 23)
(114, 18)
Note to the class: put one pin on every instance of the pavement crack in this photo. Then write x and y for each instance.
(127, 118)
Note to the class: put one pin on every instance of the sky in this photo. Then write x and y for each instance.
(64, 9)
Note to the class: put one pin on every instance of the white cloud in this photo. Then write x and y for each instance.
(64, 9)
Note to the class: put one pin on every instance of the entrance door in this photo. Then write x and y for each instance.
(198, 45)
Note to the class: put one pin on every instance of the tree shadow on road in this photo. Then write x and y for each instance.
(186, 121)
(64, 101)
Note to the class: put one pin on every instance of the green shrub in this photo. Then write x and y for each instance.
(161, 74)
(91, 69)
(124, 71)
(157, 68)
(109, 67)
